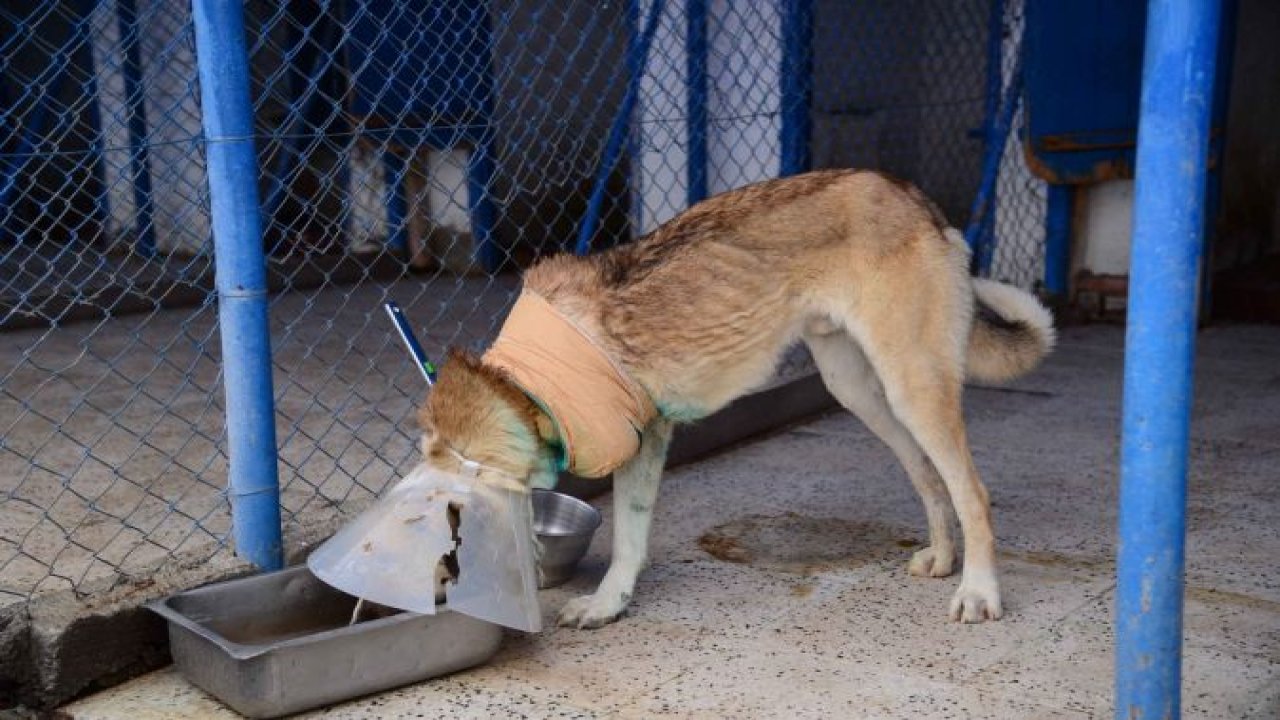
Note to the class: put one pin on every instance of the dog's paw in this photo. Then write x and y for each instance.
(591, 611)
(931, 563)
(975, 602)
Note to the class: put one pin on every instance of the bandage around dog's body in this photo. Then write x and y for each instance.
(598, 410)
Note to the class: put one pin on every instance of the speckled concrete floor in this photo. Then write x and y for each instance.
(813, 614)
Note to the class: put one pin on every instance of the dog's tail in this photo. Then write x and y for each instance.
(1011, 333)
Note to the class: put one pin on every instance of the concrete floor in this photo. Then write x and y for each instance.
(808, 610)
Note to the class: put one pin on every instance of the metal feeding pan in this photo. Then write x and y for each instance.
(279, 643)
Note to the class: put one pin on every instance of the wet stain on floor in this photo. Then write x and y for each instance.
(1216, 597)
(723, 547)
(1057, 560)
(804, 545)
(802, 590)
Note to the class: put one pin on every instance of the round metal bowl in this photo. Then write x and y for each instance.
(564, 525)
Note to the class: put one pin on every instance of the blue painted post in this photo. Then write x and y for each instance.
(481, 168)
(986, 232)
(397, 200)
(1168, 228)
(33, 131)
(1057, 239)
(695, 43)
(637, 61)
(796, 80)
(304, 95)
(984, 203)
(635, 140)
(241, 280)
(101, 194)
(83, 58)
(139, 164)
(1217, 145)
(75, 53)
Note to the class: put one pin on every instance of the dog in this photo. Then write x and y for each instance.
(860, 266)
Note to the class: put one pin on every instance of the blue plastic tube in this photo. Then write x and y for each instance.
(241, 271)
(1168, 228)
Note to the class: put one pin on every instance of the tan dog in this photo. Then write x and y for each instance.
(861, 267)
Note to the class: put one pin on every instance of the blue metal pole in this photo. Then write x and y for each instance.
(482, 165)
(695, 43)
(397, 200)
(241, 280)
(984, 202)
(7, 129)
(481, 168)
(637, 61)
(33, 131)
(635, 140)
(1168, 229)
(796, 81)
(1217, 146)
(302, 98)
(1057, 239)
(135, 104)
(101, 193)
(986, 234)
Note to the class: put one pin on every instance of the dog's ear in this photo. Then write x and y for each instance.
(475, 410)
(455, 380)
(426, 424)
(428, 427)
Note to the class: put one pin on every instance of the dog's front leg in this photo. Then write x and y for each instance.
(635, 488)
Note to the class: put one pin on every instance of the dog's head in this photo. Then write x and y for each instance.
(474, 411)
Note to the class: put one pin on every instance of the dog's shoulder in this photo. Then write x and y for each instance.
(563, 275)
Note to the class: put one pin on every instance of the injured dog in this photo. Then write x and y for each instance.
(603, 354)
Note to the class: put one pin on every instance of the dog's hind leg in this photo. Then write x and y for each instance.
(922, 382)
(854, 383)
(635, 489)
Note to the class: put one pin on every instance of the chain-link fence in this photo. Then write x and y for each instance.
(417, 151)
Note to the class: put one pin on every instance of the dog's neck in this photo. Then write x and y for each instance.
(551, 455)
(533, 442)
(535, 439)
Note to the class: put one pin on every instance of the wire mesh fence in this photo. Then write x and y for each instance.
(421, 152)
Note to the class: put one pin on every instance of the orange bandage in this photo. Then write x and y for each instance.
(598, 409)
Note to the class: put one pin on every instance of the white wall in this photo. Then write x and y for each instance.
(107, 60)
(1104, 227)
(445, 201)
(179, 190)
(744, 100)
(659, 130)
(745, 95)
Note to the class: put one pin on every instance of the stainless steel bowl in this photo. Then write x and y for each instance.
(565, 526)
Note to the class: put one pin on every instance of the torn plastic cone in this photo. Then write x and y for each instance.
(390, 552)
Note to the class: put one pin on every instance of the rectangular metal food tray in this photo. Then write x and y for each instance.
(279, 643)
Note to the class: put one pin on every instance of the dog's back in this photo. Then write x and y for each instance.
(700, 310)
